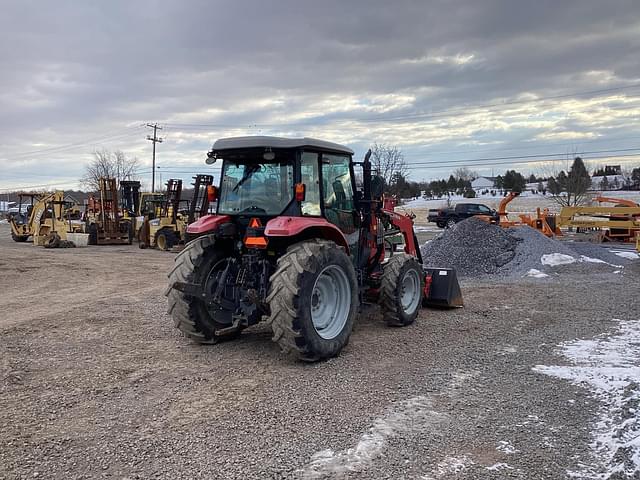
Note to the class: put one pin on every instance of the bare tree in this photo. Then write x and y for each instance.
(108, 164)
(389, 162)
(465, 174)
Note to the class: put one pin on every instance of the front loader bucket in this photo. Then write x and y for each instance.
(444, 289)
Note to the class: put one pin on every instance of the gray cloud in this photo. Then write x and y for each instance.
(75, 71)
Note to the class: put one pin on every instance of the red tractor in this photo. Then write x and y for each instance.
(295, 243)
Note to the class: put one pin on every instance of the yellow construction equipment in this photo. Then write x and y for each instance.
(48, 219)
(620, 223)
(167, 228)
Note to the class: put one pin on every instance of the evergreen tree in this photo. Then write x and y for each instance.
(554, 186)
(578, 182)
(514, 181)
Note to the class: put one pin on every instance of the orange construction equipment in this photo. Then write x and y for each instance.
(620, 202)
(543, 221)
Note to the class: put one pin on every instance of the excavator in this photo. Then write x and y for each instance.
(544, 221)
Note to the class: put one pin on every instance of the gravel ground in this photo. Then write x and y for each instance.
(96, 383)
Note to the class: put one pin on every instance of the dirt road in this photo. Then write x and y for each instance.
(95, 381)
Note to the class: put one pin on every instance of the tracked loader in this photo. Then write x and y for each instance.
(295, 244)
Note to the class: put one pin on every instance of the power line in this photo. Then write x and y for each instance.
(518, 157)
(60, 148)
(455, 163)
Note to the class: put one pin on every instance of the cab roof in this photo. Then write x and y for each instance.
(237, 143)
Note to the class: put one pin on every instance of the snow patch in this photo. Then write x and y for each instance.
(499, 466)
(584, 258)
(450, 466)
(505, 447)
(609, 366)
(555, 259)
(414, 414)
(536, 273)
(627, 255)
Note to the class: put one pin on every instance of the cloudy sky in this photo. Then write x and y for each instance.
(485, 84)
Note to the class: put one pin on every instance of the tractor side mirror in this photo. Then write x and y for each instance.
(377, 186)
(211, 158)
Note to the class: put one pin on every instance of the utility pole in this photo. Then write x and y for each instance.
(155, 139)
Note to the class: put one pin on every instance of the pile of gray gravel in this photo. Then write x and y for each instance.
(475, 248)
(472, 247)
(531, 247)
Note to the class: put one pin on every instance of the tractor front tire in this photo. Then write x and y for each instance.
(313, 299)
(401, 290)
(190, 315)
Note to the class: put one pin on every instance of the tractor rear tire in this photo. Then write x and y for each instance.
(313, 299)
(19, 238)
(401, 290)
(166, 239)
(190, 315)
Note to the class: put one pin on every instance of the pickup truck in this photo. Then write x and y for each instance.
(447, 217)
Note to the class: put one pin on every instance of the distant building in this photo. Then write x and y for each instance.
(483, 183)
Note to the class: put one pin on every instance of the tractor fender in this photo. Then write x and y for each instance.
(315, 227)
(207, 224)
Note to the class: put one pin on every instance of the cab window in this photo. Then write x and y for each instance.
(309, 171)
(338, 192)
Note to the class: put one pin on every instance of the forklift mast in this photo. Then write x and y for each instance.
(199, 205)
(130, 196)
(172, 203)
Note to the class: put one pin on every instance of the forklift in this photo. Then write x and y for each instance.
(168, 228)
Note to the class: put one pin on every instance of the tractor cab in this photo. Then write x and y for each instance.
(265, 178)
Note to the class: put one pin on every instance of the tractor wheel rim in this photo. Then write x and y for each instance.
(410, 291)
(330, 302)
(162, 244)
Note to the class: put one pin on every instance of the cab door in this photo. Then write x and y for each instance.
(337, 195)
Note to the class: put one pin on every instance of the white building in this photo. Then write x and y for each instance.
(483, 183)
(616, 182)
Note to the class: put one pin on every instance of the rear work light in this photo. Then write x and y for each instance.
(300, 192)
